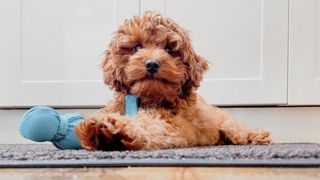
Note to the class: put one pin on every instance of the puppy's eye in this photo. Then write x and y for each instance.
(139, 46)
(168, 49)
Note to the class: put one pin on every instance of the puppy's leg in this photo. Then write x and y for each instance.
(237, 133)
(105, 131)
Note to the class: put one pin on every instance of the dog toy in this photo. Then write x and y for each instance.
(43, 124)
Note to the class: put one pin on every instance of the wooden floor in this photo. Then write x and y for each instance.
(154, 173)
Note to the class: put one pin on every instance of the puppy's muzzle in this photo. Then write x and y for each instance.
(152, 66)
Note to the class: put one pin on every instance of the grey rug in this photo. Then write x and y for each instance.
(46, 155)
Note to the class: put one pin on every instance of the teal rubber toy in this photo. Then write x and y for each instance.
(131, 105)
(43, 124)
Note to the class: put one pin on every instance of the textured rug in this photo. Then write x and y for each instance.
(277, 155)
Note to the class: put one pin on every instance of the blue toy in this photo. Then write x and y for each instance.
(42, 124)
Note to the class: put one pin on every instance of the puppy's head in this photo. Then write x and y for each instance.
(152, 57)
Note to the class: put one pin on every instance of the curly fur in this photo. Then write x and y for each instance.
(171, 113)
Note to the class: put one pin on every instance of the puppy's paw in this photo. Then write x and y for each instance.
(100, 133)
(259, 137)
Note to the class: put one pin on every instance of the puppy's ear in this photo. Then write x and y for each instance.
(106, 58)
(198, 67)
(109, 73)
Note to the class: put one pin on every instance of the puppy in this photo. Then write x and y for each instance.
(152, 58)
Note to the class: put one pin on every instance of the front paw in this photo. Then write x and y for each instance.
(100, 133)
(259, 137)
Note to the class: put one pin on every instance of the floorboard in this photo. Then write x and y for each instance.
(162, 173)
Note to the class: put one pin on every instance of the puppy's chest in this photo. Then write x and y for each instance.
(163, 113)
(133, 106)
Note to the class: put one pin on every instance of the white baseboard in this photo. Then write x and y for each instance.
(287, 124)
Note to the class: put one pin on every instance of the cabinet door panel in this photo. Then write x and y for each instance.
(245, 41)
(9, 45)
(59, 49)
(304, 52)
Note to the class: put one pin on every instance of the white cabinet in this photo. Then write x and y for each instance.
(9, 46)
(51, 50)
(304, 52)
(245, 41)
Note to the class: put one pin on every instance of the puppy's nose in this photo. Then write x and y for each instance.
(152, 66)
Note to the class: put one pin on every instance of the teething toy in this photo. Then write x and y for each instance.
(43, 123)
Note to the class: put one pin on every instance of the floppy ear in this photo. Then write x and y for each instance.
(110, 74)
(198, 66)
(108, 70)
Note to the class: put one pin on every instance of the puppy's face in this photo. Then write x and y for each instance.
(152, 58)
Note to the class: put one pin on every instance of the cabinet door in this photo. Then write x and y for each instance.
(245, 41)
(53, 49)
(304, 52)
(9, 44)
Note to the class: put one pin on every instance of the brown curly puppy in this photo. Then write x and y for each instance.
(152, 57)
